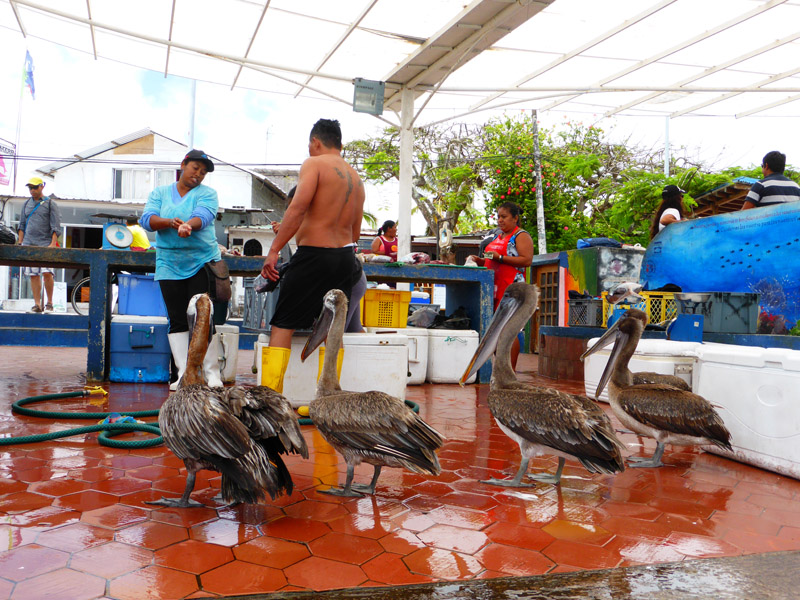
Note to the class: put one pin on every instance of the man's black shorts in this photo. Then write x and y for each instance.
(311, 274)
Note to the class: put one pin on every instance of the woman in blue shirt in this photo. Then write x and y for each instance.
(182, 215)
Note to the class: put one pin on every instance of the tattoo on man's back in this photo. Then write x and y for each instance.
(349, 188)
(338, 172)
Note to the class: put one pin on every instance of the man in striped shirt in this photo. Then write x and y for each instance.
(775, 188)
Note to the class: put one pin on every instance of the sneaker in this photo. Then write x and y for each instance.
(36, 309)
(48, 307)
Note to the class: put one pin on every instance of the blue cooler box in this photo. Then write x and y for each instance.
(140, 350)
(140, 295)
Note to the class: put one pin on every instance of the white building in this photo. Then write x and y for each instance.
(115, 178)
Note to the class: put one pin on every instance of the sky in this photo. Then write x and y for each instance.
(82, 102)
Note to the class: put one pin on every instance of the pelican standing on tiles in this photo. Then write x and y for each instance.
(371, 427)
(665, 413)
(540, 420)
(239, 432)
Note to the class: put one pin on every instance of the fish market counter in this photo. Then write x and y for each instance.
(470, 287)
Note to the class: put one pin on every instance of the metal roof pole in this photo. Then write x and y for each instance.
(406, 171)
(666, 146)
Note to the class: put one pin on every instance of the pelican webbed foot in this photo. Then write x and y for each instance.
(369, 489)
(176, 503)
(554, 478)
(516, 481)
(347, 490)
(184, 501)
(508, 483)
(640, 462)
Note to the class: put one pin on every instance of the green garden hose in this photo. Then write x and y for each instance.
(108, 429)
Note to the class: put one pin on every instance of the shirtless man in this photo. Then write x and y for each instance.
(324, 216)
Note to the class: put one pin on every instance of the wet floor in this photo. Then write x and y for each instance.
(75, 524)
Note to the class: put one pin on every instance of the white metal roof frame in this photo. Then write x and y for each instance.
(443, 60)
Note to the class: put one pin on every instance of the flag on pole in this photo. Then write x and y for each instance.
(29, 74)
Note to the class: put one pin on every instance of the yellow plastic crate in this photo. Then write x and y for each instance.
(385, 308)
(659, 306)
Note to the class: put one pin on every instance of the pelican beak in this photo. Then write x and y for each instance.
(505, 310)
(608, 337)
(619, 344)
(319, 332)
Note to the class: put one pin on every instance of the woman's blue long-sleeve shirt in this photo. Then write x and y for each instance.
(177, 257)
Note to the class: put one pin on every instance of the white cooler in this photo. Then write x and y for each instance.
(371, 362)
(449, 353)
(655, 356)
(228, 352)
(417, 350)
(757, 393)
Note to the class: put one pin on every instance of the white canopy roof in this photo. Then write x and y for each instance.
(629, 57)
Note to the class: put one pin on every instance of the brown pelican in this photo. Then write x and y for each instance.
(540, 420)
(370, 427)
(629, 293)
(239, 432)
(665, 413)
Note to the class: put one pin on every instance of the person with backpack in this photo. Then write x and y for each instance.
(39, 225)
(508, 254)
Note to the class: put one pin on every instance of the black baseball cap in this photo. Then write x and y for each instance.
(671, 190)
(200, 156)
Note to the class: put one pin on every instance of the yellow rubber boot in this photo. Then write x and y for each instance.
(274, 361)
(339, 361)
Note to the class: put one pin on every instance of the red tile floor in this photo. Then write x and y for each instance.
(75, 524)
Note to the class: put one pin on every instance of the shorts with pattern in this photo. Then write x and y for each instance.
(311, 274)
(28, 271)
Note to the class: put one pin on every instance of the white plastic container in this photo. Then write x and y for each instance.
(449, 352)
(417, 351)
(228, 352)
(757, 393)
(375, 361)
(655, 356)
(371, 362)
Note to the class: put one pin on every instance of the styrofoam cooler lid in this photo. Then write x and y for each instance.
(440, 333)
(407, 331)
(374, 339)
(141, 319)
(750, 356)
(226, 328)
(650, 347)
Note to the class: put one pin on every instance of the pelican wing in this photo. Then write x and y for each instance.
(568, 423)
(196, 425)
(377, 423)
(668, 409)
(646, 377)
(267, 415)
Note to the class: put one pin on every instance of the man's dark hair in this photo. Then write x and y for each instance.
(776, 161)
(328, 132)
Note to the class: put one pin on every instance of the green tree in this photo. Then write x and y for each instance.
(445, 179)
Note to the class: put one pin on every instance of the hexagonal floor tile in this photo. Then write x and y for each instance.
(152, 535)
(271, 552)
(75, 537)
(116, 516)
(193, 556)
(153, 583)
(242, 578)
(29, 561)
(63, 583)
(322, 574)
(111, 560)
